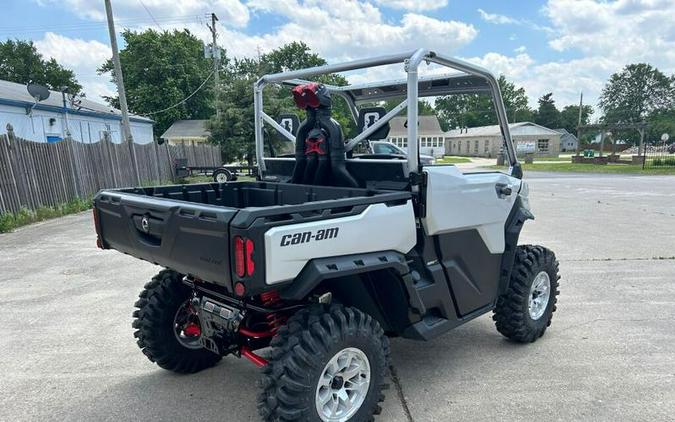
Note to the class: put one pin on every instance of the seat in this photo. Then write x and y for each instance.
(319, 146)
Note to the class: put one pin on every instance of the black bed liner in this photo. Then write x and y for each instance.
(188, 227)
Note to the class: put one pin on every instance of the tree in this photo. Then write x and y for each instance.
(547, 113)
(569, 117)
(635, 92)
(20, 62)
(162, 69)
(234, 130)
(471, 110)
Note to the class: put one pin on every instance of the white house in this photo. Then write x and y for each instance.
(48, 121)
(429, 134)
(486, 141)
(186, 131)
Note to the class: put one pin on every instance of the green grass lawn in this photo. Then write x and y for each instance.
(451, 159)
(565, 167)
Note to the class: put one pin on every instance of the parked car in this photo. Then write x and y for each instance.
(387, 148)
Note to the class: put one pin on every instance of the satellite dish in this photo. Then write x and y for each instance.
(39, 92)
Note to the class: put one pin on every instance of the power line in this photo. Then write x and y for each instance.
(183, 100)
(151, 17)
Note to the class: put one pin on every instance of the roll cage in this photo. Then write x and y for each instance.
(468, 80)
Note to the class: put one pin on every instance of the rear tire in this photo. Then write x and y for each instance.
(154, 320)
(524, 312)
(324, 355)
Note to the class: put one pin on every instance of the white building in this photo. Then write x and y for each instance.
(187, 131)
(429, 134)
(46, 121)
(486, 141)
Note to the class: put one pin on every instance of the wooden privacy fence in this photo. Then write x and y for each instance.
(35, 174)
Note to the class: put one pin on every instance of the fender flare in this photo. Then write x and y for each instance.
(320, 269)
(514, 224)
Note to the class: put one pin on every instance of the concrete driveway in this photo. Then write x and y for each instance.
(67, 351)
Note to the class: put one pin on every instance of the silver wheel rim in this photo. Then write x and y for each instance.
(540, 292)
(180, 321)
(221, 177)
(343, 385)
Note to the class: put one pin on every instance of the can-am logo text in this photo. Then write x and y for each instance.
(304, 237)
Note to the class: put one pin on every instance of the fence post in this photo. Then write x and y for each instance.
(10, 169)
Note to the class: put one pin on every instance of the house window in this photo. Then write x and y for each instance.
(459, 147)
(487, 146)
(542, 145)
(404, 142)
(475, 147)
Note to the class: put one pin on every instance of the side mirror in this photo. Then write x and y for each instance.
(160, 141)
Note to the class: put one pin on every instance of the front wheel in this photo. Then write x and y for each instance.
(328, 364)
(524, 312)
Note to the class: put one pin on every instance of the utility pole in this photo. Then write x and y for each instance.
(215, 54)
(119, 78)
(581, 107)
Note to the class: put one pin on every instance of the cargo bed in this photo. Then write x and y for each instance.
(188, 228)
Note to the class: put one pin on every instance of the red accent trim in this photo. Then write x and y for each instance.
(192, 330)
(305, 95)
(314, 145)
(256, 334)
(239, 289)
(248, 354)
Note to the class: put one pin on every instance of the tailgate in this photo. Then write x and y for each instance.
(185, 237)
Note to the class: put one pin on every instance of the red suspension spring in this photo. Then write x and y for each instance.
(274, 319)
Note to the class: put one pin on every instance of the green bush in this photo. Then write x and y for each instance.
(669, 161)
(10, 221)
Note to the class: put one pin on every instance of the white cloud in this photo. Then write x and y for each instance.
(83, 57)
(352, 29)
(520, 49)
(167, 13)
(497, 19)
(608, 35)
(415, 5)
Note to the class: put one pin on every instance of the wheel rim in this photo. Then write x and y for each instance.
(186, 326)
(540, 292)
(221, 177)
(343, 385)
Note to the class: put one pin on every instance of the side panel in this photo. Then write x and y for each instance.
(379, 227)
(457, 202)
(473, 272)
(465, 218)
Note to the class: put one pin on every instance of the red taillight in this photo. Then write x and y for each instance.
(243, 257)
(239, 264)
(250, 265)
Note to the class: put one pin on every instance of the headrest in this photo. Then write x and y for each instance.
(368, 116)
(311, 95)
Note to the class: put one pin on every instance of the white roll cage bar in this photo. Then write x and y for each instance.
(472, 79)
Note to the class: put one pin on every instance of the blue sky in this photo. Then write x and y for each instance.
(559, 46)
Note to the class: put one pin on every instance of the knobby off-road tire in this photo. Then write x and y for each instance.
(301, 353)
(157, 306)
(517, 315)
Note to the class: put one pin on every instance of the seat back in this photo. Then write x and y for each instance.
(319, 146)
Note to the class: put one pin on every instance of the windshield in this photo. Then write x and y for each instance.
(385, 148)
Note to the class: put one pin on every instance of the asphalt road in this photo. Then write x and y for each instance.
(67, 352)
